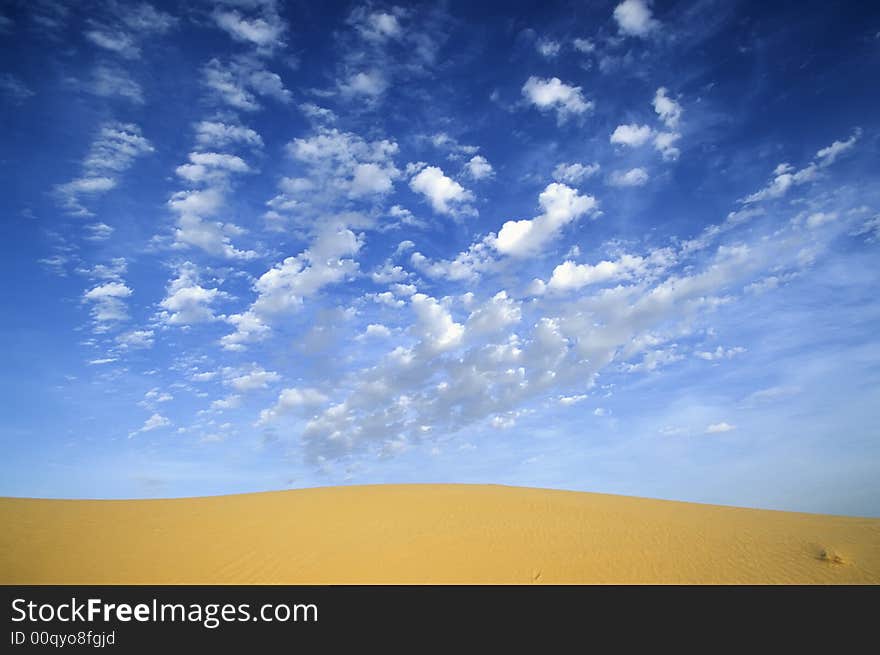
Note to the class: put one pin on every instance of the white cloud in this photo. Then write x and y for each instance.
(718, 428)
(377, 26)
(785, 177)
(547, 48)
(113, 151)
(284, 287)
(365, 83)
(119, 42)
(110, 81)
(720, 353)
(14, 88)
(829, 154)
(479, 167)
(376, 331)
(186, 301)
(584, 45)
(817, 219)
(668, 109)
(553, 94)
(494, 316)
(463, 373)
(574, 173)
(155, 422)
(445, 194)
(292, 399)
(664, 143)
(467, 265)
(232, 401)
(632, 135)
(239, 82)
(263, 31)
(444, 141)
(124, 26)
(634, 18)
(771, 394)
(372, 178)
(435, 327)
(102, 361)
(192, 207)
(98, 232)
(561, 205)
(256, 378)
(117, 146)
(155, 395)
(571, 276)
(340, 165)
(388, 273)
(144, 18)
(108, 304)
(654, 359)
(632, 178)
(136, 339)
(211, 167)
(216, 134)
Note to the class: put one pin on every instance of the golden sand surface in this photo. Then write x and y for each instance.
(387, 534)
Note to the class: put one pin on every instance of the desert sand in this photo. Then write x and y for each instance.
(441, 534)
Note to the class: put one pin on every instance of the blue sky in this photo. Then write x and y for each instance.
(618, 247)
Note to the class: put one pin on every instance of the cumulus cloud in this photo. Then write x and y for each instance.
(467, 265)
(479, 168)
(633, 177)
(108, 304)
(574, 173)
(192, 207)
(377, 26)
(445, 194)
(292, 400)
(635, 18)
(187, 302)
(254, 379)
(548, 48)
(340, 165)
(135, 339)
(457, 150)
(467, 367)
(370, 83)
(435, 326)
(570, 276)
(554, 95)
(285, 286)
(560, 204)
(583, 45)
(494, 316)
(211, 167)
(633, 135)
(668, 109)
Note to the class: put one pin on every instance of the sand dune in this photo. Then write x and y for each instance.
(426, 534)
